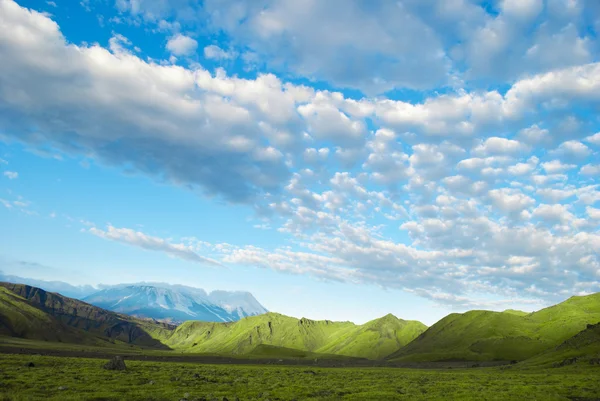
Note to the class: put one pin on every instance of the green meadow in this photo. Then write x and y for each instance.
(54, 348)
(57, 378)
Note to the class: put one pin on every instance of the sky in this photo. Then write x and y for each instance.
(339, 159)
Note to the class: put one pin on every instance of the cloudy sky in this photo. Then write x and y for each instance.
(340, 159)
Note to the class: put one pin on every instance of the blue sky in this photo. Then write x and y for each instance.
(340, 160)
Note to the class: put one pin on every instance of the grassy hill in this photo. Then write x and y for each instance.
(372, 340)
(565, 330)
(20, 319)
(486, 335)
(580, 348)
(30, 312)
(375, 339)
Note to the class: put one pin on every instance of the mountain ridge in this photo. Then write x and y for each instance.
(177, 303)
(489, 335)
(215, 305)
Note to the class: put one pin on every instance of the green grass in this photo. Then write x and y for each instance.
(84, 379)
(516, 312)
(486, 335)
(32, 313)
(583, 346)
(373, 340)
(35, 314)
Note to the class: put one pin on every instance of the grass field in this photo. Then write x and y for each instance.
(54, 378)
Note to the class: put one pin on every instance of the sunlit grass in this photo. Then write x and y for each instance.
(84, 379)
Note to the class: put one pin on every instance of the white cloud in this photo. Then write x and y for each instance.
(553, 213)
(214, 52)
(440, 169)
(510, 200)
(594, 139)
(141, 240)
(499, 146)
(533, 134)
(572, 149)
(590, 169)
(593, 213)
(11, 175)
(520, 169)
(555, 195)
(181, 45)
(522, 9)
(556, 166)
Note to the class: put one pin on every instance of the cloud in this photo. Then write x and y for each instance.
(453, 42)
(141, 240)
(214, 52)
(594, 139)
(446, 196)
(590, 169)
(125, 111)
(593, 213)
(572, 150)
(11, 175)
(510, 201)
(181, 45)
(556, 166)
(499, 146)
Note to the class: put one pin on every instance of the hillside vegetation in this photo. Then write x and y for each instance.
(551, 335)
(486, 335)
(30, 312)
(373, 340)
(583, 347)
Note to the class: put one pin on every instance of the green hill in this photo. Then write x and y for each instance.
(372, 340)
(516, 312)
(375, 339)
(19, 319)
(552, 334)
(583, 347)
(486, 335)
(32, 313)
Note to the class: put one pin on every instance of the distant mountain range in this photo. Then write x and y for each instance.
(32, 313)
(66, 289)
(561, 334)
(161, 301)
(176, 303)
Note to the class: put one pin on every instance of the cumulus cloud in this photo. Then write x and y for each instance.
(214, 52)
(556, 166)
(590, 169)
(163, 126)
(452, 41)
(499, 146)
(509, 200)
(181, 45)
(456, 193)
(572, 150)
(594, 139)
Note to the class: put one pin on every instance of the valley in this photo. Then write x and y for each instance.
(474, 355)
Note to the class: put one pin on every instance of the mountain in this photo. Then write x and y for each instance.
(176, 303)
(486, 335)
(33, 313)
(66, 289)
(372, 340)
(376, 339)
(582, 347)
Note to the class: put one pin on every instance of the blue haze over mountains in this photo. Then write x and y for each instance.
(161, 301)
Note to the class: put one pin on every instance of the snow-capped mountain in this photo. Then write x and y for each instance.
(176, 303)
